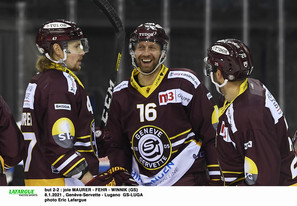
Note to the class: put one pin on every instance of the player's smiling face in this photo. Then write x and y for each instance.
(147, 55)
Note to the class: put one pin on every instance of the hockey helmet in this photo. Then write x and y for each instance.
(59, 31)
(232, 57)
(149, 32)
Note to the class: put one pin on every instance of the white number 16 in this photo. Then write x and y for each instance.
(147, 112)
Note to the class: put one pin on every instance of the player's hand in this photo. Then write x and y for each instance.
(115, 176)
(103, 179)
(1, 165)
(103, 140)
(122, 177)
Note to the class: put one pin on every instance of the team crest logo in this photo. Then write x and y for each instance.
(151, 146)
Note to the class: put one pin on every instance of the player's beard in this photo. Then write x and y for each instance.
(74, 66)
(147, 67)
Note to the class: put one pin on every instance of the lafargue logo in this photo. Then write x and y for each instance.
(151, 146)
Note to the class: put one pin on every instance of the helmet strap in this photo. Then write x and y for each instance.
(218, 86)
(60, 61)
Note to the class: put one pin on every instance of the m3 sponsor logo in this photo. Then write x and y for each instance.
(175, 96)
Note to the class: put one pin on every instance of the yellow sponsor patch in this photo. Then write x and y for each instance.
(63, 132)
(250, 171)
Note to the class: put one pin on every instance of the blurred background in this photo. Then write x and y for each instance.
(268, 27)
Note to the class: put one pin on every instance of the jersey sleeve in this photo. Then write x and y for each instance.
(11, 138)
(63, 125)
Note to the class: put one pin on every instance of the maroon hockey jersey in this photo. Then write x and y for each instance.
(253, 143)
(157, 131)
(11, 139)
(58, 127)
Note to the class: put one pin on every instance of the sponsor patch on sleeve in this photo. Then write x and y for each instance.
(29, 96)
(122, 85)
(185, 75)
(273, 106)
(72, 87)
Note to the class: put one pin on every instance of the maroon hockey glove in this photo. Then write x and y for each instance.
(122, 177)
(103, 179)
(115, 176)
(103, 140)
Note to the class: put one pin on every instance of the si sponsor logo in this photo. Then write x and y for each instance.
(63, 132)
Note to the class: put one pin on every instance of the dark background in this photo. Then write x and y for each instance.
(19, 21)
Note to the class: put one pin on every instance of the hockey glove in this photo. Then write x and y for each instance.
(115, 176)
(122, 177)
(103, 179)
(103, 140)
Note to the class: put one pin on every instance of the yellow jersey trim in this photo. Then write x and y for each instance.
(188, 131)
(212, 165)
(148, 90)
(64, 69)
(86, 150)
(71, 168)
(58, 159)
(242, 89)
(231, 172)
(45, 182)
(84, 137)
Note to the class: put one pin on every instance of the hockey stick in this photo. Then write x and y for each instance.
(117, 24)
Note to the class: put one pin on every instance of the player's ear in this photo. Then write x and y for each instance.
(57, 51)
(219, 74)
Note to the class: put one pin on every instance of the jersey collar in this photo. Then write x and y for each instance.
(64, 69)
(243, 87)
(148, 90)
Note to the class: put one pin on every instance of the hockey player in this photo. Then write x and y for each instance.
(58, 123)
(11, 141)
(253, 143)
(160, 119)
